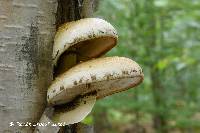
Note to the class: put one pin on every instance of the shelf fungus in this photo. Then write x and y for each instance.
(76, 88)
(104, 76)
(86, 38)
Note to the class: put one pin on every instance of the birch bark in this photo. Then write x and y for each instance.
(26, 37)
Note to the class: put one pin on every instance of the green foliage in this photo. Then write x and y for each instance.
(88, 120)
(163, 37)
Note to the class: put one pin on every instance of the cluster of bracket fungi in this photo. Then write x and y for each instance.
(76, 88)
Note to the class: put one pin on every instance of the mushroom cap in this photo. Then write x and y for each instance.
(91, 36)
(104, 76)
(76, 112)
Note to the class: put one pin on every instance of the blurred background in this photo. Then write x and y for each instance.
(163, 36)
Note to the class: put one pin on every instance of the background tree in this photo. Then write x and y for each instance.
(162, 36)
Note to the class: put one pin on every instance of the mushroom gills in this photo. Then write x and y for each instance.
(83, 51)
(94, 48)
(76, 112)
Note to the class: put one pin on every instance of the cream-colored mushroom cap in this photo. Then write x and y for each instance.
(90, 38)
(104, 76)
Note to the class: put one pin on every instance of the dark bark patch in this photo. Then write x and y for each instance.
(67, 10)
(28, 52)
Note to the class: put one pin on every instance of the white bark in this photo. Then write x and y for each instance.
(26, 35)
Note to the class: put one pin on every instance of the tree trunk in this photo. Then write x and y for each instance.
(26, 38)
(27, 30)
(159, 117)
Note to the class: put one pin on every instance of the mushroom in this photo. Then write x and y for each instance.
(86, 38)
(75, 89)
(103, 76)
(76, 111)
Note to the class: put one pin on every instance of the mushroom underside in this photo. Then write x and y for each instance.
(80, 109)
(94, 48)
(84, 51)
(103, 88)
